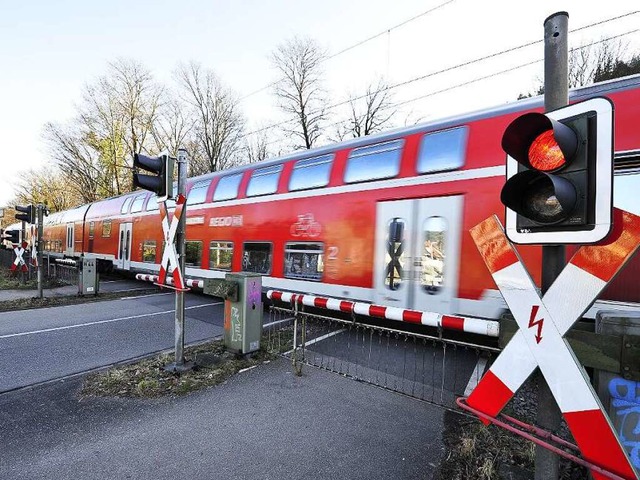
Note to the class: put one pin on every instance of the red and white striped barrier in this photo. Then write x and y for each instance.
(154, 278)
(447, 322)
(542, 324)
(66, 261)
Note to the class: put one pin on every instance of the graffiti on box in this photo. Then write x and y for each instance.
(625, 402)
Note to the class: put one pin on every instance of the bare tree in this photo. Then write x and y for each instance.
(217, 121)
(77, 160)
(120, 110)
(300, 90)
(173, 128)
(114, 121)
(46, 185)
(594, 62)
(257, 146)
(371, 112)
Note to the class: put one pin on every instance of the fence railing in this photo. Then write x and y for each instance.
(431, 368)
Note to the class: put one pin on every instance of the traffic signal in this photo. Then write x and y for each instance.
(162, 182)
(559, 185)
(11, 235)
(28, 213)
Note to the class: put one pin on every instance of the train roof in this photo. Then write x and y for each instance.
(576, 94)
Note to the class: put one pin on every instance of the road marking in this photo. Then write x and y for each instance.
(475, 376)
(319, 339)
(131, 317)
(278, 322)
(144, 296)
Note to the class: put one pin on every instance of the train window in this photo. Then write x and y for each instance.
(106, 228)
(433, 254)
(193, 254)
(311, 173)
(126, 205)
(304, 260)
(198, 193)
(149, 251)
(264, 181)
(395, 258)
(227, 188)
(442, 150)
(220, 255)
(374, 162)
(256, 257)
(138, 201)
(92, 227)
(152, 203)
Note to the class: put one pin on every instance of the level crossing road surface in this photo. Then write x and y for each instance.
(106, 286)
(265, 423)
(48, 343)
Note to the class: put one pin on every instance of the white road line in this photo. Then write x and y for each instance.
(278, 322)
(319, 339)
(144, 296)
(131, 317)
(475, 376)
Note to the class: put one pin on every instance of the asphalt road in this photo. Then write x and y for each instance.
(48, 343)
(265, 423)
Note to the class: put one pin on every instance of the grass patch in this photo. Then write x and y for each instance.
(18, 281)
(148, 379)
(483, 453)
(34, 302)
(478, 452)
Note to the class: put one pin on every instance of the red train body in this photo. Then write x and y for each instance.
(383, 218)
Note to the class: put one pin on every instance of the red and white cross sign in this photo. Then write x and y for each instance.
(542, 323)
(170, 255)
(19, 261)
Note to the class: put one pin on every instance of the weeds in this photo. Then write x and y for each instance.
(148, 379)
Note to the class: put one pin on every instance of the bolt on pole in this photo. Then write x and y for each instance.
(556, 95)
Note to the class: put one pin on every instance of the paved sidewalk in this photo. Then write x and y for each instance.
(72, 290)
(264, 423)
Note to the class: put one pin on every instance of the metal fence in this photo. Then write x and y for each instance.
(62, 272)
(53, 269)
(431, 368)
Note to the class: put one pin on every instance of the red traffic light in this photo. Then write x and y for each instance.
(560, 174)
(545, 154)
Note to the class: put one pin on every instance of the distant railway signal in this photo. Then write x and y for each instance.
(161, 183)
(28, 214)
(560, 175)
(13, 236)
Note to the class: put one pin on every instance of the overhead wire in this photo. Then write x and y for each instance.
(359, 43)
(455, 67)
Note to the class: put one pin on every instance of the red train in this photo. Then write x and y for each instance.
(383, 218)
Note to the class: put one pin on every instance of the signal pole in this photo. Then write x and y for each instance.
(179, 364)
(40, 215)
(556, 95)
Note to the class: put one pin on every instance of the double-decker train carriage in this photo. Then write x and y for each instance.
(381, 219)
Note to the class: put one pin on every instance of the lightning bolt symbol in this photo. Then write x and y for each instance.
(533, 322)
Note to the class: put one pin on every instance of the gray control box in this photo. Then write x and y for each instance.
(243, 317)
(88, 279)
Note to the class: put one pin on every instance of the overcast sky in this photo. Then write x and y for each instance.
(50, 49)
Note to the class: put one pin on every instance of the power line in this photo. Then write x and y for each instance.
(362, 42)
(402, 24)
(455, 67)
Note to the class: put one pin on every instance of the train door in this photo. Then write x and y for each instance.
(418, 253)
(69, 247)
(124, 246)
